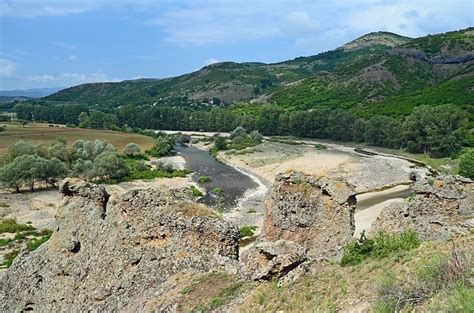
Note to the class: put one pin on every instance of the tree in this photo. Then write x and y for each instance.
(109, 165)
(220, 143)
(54, 170)
(238, 132)
(382, 131)
(20, 148)
(131, 150)
(60, 151)
(466, 164)
(256, 136)
(163, 146)
(10, 177)
(437, 131)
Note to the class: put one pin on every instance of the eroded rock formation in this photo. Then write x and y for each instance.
(440, 208)
(317, 213)
(115, 254)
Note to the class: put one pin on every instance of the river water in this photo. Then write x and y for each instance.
(233, 183)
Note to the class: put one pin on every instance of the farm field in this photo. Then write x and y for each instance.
(42, 133)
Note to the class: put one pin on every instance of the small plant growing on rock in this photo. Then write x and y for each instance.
(247, 231)
(204, 179)
(196, 192)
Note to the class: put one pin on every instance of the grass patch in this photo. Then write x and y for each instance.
(320, 146)
(247, 231)
(440, 277)
(5, 242)
(4, 205)
(196, 192)
(251, 211)
(33, 244)
(381, 246)
(204, 179)
(221, 298)
(11, 226)
(9, 257)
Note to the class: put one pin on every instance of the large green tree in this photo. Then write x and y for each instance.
(437, 131)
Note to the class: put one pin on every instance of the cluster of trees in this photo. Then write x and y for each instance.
(27, 164)
(439, 131)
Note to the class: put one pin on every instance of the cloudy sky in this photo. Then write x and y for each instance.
(54, 43)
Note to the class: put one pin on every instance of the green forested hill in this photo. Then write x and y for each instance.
(377, 73)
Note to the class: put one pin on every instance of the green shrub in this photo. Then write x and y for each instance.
(247, 231)
(380, 246)
(466, 164)
(204, 179)
(196, 192)
(217, 191)
(319, 146)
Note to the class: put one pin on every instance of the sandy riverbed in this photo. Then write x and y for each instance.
(365, 173)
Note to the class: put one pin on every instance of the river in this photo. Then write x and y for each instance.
(233, 183)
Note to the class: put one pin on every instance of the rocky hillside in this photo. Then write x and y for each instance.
(379, 71)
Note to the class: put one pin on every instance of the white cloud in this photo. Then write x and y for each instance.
(69, 79)
(40, 78)
(306, 23)
(25, 8)
(37, 8)
(211, 61)
(64, 45)
(72, 57)
(7, 68)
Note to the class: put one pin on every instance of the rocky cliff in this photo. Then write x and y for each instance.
(440, 208)
(115, 254)
(317, 213)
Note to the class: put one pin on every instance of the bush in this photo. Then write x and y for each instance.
(220, 143)
(131, 150)
(204, 179)
(466, 164)
(196, 192)
(382, 245)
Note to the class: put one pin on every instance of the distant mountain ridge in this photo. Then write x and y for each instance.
(378, 71)
(31, 93)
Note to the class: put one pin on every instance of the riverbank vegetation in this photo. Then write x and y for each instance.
(27, 165)
(438, 131)
(239, 139)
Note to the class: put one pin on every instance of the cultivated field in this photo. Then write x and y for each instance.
(41, 133)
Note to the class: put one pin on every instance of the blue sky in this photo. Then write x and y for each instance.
(53, 43)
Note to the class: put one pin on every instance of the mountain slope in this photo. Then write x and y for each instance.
(364, 74)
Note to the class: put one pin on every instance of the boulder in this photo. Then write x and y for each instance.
(115, 254)
(269, 260)
(317, 213)
(440, 208)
